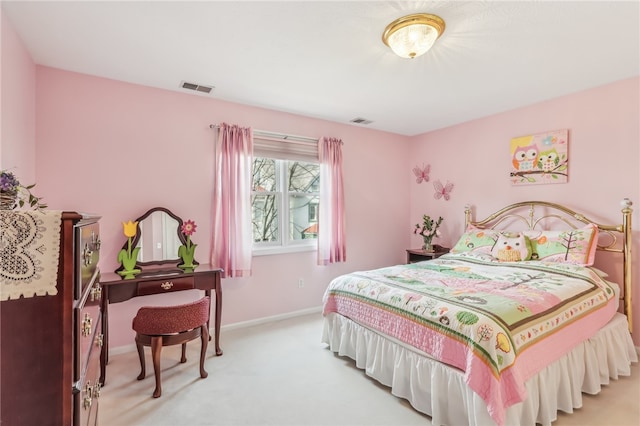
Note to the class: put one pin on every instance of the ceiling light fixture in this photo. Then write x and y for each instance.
(413, 35)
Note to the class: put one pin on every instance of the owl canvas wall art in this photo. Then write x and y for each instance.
(540, 158)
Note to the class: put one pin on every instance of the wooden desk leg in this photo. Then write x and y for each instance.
(208, 293)
(216, 325)
(104, 351)
(218, 313)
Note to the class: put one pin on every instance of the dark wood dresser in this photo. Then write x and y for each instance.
(50, 344)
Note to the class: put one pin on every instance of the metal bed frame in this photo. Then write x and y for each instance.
(539, 213)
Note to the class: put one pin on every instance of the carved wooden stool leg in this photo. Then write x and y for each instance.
(143, 371)
(156, 348)
(183, 359)
(204, 338)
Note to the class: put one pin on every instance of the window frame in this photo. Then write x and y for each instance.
(284, 243)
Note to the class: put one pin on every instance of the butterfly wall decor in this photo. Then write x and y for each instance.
(442, 191)
(422, 174)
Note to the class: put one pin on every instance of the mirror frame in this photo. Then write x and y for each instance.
(157, 265)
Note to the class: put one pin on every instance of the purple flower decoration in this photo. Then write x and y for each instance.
(8, 182)
(16, 195)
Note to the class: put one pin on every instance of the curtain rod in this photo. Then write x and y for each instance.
(274, 135)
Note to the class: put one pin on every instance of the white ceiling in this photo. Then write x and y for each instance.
(325, 59)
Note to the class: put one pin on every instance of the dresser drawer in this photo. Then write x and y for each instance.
(88, 332)
(89, 392)
(165, 285)
(88, 255)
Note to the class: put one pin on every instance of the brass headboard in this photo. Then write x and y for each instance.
(539, 212)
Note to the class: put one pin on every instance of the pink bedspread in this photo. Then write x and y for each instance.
(500, 323)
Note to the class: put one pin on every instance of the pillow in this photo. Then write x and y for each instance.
(577, 246)
(476, 239)
(548, 246)
(512, 247)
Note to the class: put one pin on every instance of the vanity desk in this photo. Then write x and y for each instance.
(157, 266)
(115, 289)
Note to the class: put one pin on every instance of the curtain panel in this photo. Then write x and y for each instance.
(331, 223)
(231, 239)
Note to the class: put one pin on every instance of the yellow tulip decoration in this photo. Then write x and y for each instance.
(128, 257)
(187, 251)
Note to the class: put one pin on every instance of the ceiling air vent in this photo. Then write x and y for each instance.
(360, 120)
(197, 87)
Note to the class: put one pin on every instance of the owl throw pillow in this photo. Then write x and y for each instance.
(512, 247)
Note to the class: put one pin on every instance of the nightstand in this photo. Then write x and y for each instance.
(418, 255)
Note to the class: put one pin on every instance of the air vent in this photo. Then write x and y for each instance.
(360, 120)
(197, 87)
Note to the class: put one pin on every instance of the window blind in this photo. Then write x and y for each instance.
(284, 147)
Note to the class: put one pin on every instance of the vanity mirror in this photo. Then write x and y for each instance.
(158, 237)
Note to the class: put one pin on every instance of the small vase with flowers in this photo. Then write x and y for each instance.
(428, 230)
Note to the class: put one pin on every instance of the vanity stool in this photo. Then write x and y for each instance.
(158, 326)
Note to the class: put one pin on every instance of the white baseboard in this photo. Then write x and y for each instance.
(243, 324)
(273, 318)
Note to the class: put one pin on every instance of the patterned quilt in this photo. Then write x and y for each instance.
(476, 314)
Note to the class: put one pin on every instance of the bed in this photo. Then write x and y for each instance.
(511, 337)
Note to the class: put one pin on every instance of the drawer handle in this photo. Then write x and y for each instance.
(96, 293)
(95, 240)
(96, 389)
(86, 325)
(86, 255)
(88, 392)
(166, 285)
(87, 402)
(100, 340)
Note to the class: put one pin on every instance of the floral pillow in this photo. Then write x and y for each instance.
(577, 246)
(476, 240)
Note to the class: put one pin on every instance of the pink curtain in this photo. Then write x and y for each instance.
(231, 238)
(331, 236)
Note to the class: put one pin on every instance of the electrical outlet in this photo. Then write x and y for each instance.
(300, 283)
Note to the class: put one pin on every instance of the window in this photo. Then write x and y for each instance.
(284, 204)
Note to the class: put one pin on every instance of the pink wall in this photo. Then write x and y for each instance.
(17, 133)
(118, 149)
(604, 159)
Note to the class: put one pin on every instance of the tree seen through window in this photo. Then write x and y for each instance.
(285, 196)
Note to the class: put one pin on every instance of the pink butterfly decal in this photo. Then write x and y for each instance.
(422, 174)
(442, 191)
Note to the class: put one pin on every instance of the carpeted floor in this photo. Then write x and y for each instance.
(280, 374)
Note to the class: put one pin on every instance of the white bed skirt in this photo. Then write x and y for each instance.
(441, 392)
